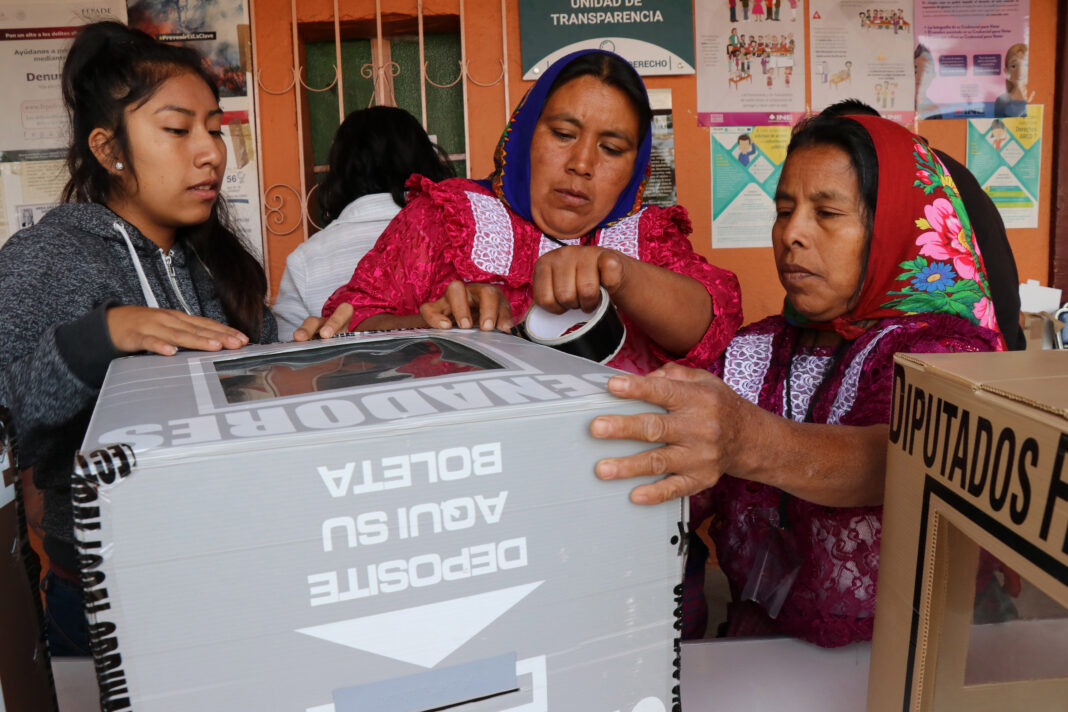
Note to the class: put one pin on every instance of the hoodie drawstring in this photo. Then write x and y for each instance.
(146, 290)
(150, 297)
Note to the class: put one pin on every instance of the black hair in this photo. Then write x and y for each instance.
(375, 150)
(849, 107)
(616, 72)
(109, 69)
(851, 137)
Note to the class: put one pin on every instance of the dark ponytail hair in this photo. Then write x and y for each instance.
(375, 150)
(109, 69)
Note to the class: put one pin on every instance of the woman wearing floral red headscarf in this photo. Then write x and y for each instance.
(560, 217)
(787, 442)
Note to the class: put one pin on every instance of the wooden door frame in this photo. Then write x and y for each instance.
(1058, 229)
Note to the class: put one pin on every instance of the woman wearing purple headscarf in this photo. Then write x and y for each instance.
(560, 216)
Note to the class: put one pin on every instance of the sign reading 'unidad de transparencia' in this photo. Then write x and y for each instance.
(655, 36)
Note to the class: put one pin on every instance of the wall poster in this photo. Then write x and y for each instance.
(660, 188)
(746, 163)
(1005, 156)
(750, 69)
(862, 49)
(34, 38)
(971, 58)
(655, 36)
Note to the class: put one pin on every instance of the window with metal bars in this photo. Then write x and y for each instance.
(400, 77)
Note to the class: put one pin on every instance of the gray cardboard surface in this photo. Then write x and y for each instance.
(433, 688)
(269, 554)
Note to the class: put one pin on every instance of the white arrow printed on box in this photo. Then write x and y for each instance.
(443, 626)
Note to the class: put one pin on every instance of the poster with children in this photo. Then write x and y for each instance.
(1005, 155)
(971, 58)
(862, 49)
(750, 62)
(746, 163)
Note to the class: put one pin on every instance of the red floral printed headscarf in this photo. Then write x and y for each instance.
(922, 257)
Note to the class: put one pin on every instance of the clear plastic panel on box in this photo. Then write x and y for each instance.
(1018, 632)
(344, 365)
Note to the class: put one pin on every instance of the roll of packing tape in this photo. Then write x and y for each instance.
(597, 336)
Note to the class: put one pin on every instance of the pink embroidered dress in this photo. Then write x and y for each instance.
(482, 231)
(832, 601)
(924, 290)
(458, 229)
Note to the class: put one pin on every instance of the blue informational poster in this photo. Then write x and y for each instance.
(1005, 155)
(746, 163)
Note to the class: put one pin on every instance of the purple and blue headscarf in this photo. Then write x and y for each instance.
(510, 180)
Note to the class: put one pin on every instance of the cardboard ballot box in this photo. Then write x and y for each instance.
(380, 523)
(976, 501)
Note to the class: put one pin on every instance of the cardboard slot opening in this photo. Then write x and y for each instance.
(451, 688)
(458, 705)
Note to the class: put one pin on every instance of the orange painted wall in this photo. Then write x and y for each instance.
(761, 292)
(274, 40)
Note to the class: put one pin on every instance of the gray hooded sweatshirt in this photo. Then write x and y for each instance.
(57, 280)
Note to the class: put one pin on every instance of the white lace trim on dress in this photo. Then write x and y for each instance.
(547, 245)
(493, 244)
(806, 374)
(623, 236)
(746, 364)
(847, 393)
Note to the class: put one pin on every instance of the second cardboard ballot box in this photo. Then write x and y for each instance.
(973, 573)
(388, 523)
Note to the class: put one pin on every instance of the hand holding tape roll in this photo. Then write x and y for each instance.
(597, 336)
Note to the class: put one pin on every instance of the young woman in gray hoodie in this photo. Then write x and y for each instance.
(139, 257)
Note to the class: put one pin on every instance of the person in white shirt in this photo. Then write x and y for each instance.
(374, 152)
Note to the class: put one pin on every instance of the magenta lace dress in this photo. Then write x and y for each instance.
(832, 601)
(457, 229)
